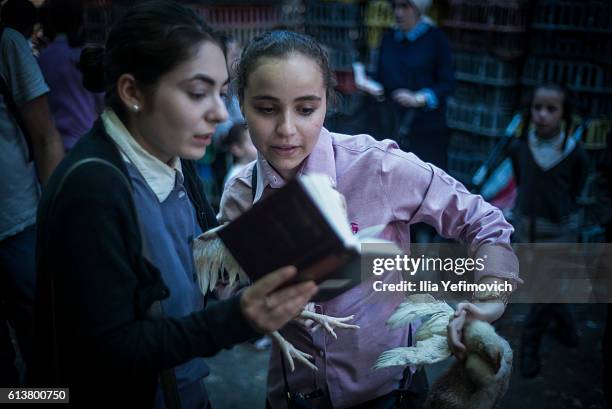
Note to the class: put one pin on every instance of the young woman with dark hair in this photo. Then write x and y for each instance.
(120, 316)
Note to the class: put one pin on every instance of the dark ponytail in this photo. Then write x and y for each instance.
(91, 65)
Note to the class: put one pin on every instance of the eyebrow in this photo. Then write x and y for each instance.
(298, 99)
(207, 79)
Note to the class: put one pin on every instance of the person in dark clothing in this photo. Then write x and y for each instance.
(550, 169)
(416, 72)
(605, 169)
(120, 318)
(20, 15)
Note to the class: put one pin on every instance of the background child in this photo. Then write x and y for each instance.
(550, 170)
(238, 143)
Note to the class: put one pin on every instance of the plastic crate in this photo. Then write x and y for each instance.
(292, 15)
(489, 15)
(478, 146)
(499, 44)
(374, 36)
(319, 13)
(596, 133)
(592, 16)
(484, 69)
(493, 96)
(345, 81)
(577, 75)
(379, 13)
(244, 17)
(342, 37)
(462, 166)
(346, 105)
(342, 59)
(477, 118)
(243, 36)
(596, 104)
(572, 45)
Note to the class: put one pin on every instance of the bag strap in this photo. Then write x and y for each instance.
(14, 110)
(254, 181)
(167, 377)
(287, 389)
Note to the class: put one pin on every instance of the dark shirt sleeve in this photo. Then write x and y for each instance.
(98, 280)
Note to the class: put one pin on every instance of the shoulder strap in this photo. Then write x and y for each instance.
(254, 181)
(13, 110)
(167, 377)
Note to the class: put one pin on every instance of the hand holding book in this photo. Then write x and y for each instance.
(267, 308)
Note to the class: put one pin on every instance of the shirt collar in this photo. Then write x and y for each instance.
(547, 152)
(554, 142)
(160, 177)
(417, 31)
(321, 160)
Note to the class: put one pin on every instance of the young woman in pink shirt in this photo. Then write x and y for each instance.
(284, 85)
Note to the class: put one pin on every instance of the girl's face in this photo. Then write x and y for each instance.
(181, 115)
(546, 112)
(284, 105)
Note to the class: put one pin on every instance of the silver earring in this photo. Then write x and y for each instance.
(135, 108)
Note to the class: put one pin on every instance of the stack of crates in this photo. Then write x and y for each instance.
(242, 22)
(338, 26)
(571, 44)
(378, 18)
(98, 16)
(487, 38)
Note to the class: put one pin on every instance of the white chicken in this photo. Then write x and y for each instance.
(479, 382)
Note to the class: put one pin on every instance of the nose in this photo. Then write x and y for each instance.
(539, 113)
(217, 112)
(286, 126)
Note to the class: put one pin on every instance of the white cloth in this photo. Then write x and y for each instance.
(421, 5)
(159, 176)
(547, 152)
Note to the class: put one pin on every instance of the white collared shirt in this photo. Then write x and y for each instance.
(159, 176)
(547, 152)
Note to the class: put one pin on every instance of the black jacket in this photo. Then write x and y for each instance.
(95, 286)
(552, 193)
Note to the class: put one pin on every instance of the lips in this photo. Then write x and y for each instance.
(205, 139)
(285, 150)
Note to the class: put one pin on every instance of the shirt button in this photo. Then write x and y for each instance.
(181, 194)
(274, 179)
(322, 354)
